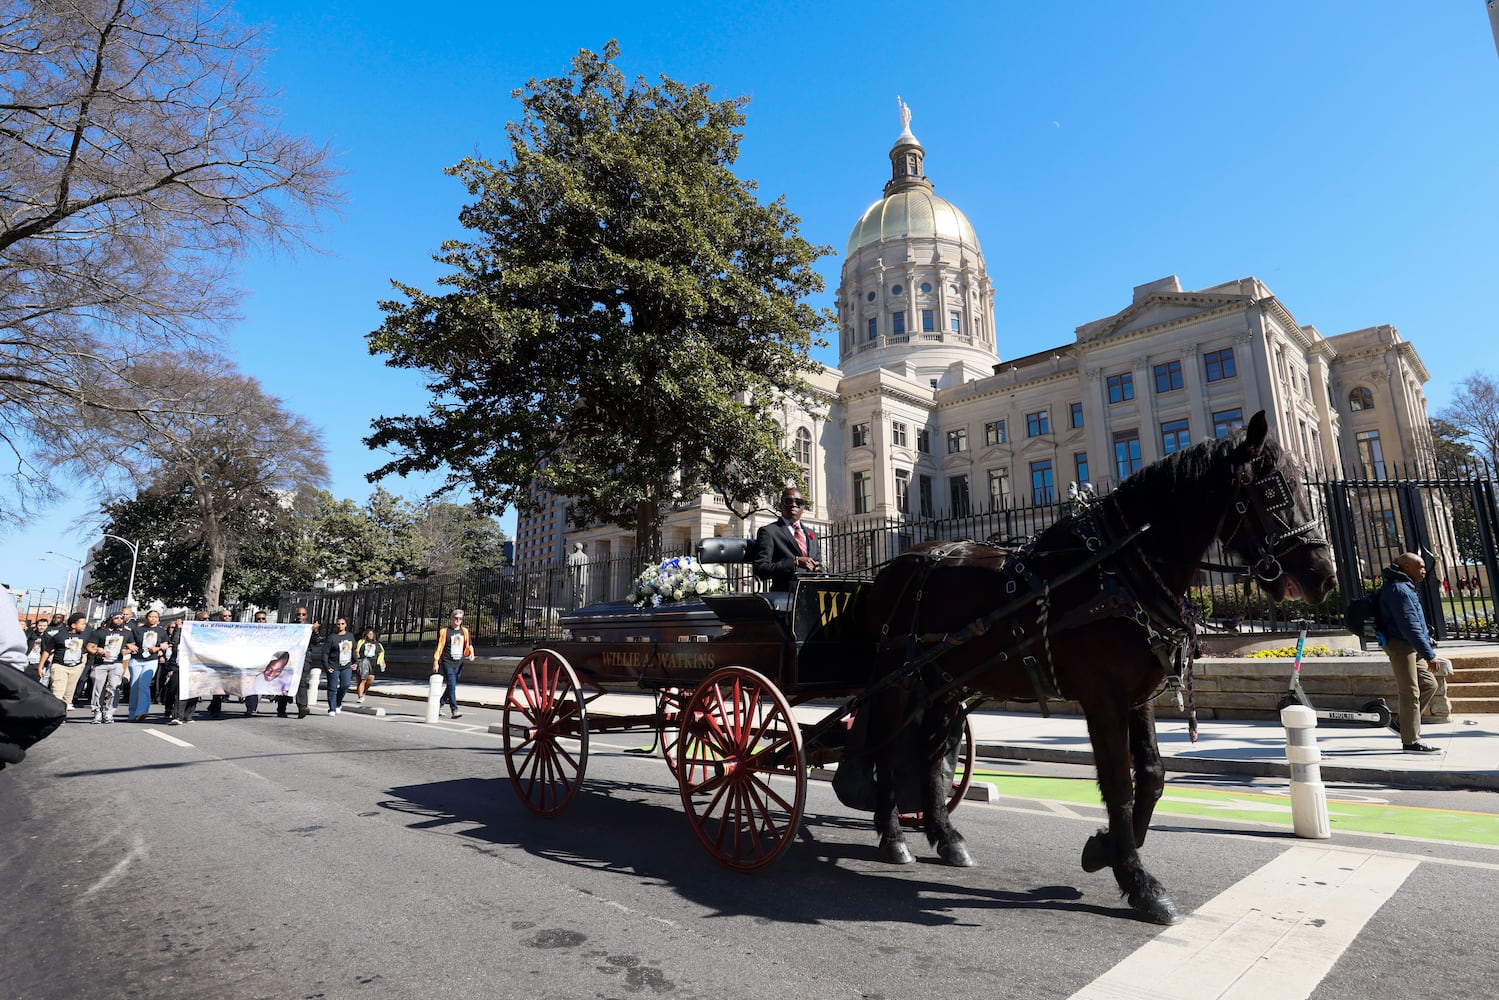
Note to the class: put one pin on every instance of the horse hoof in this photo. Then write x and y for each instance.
(1096, 853)
(1157, 910)
(957, 855)
(895, 852)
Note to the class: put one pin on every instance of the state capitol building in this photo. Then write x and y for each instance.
(923, 417)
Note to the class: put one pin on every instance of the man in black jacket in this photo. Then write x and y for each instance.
(784, 549)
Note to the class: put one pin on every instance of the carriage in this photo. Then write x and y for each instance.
(1092, 610)
(728, 673)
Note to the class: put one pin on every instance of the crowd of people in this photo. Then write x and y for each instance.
(134, 661)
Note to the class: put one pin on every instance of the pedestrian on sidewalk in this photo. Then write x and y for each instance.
(1406, 639)
(338, 661)
(371, 658)
(453, 647)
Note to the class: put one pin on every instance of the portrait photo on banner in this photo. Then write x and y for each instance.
(241, 658)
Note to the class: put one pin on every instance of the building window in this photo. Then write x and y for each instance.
(1080, 462)
(1225, 422)
(924, 495)
(869, 297)
(994, 432)
(896, 289)
(804, 448)
(958, 490)
(928, 321)
(1386, 528)
(874, 328)
(1361, 399)
(1075, 414)
(898, 323)
(863, 495)
(999, 488)
(1037, 423)
(1370, 454)
(1043, 485)
(957, 441)
(955, 321)
(1121, 387)
(1175, 436)
(926, 288)
(1219, 364)
(861, 434)
(903, 490)
(1168, 376)
(923, 440)
(898, 433)
(1127, 460)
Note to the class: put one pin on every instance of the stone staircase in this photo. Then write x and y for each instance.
(1473, 688)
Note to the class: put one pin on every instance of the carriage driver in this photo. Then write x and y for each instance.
(784, 549)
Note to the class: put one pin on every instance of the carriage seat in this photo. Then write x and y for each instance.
(724, 550)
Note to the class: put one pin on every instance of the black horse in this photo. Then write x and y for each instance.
(1093, 610)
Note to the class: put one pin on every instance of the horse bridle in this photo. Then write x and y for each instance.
(1262, 507)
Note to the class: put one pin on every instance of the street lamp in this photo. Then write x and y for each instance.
(75, 564)
(135, 551)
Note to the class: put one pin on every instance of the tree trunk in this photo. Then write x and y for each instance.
(648, 532)
(218, 557)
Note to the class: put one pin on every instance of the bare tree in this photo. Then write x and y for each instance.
(1475, 409)
(140, 157)
(233, 450)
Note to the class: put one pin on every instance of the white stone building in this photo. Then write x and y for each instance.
(924, 416)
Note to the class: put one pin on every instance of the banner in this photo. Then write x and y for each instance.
(240, 658)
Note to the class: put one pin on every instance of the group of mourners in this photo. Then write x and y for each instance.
(135, 663)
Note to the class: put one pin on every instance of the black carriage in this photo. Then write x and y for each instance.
(727, 672)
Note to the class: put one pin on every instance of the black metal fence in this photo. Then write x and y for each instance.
(1452, 517)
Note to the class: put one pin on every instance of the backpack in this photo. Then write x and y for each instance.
(1360, 612)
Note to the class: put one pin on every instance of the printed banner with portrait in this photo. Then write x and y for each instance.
(241, 658)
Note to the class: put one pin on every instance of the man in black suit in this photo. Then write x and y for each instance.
(784, 549)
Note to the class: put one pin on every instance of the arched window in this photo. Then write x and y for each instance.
(1361, 399)
(804, 448)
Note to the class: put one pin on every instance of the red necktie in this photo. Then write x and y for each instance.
(801, 538)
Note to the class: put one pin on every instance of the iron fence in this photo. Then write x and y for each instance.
(1452, 517)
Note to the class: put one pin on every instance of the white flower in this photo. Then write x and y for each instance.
(676, 579)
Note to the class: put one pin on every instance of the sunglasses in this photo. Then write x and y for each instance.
(793, 502)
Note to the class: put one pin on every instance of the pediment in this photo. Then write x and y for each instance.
(1156, 311)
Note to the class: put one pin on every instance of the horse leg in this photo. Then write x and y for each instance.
(941, 734)
(1115, 845)
(887, 713)
(1150, 773)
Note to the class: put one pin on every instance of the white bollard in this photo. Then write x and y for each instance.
(314, 678)
(1308, 794)
(434, 697)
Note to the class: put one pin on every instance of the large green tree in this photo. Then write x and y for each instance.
(625, 319)
(457, 539)
(363, 545)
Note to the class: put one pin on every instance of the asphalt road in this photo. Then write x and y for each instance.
(356, 856)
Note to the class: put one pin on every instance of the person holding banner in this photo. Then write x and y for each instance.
(453, 647)
(284, 701)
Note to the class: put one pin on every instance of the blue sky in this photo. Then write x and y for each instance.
(1343, 153)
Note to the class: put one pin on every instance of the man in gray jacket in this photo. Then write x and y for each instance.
(1406, 639)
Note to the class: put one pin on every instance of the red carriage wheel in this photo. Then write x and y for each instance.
(668, 712)
(544, 714)
(962, 777)
(740, 768)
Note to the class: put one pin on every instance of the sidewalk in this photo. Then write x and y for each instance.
(1469, 758)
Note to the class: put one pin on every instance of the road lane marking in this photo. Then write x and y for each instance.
(163, 736)
(1276, 933)
(137, 850)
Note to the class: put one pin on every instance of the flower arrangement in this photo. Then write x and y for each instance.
(677, 579)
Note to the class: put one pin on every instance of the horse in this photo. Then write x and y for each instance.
(1092, 610)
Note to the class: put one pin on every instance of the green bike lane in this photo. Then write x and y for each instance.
(1269, 808)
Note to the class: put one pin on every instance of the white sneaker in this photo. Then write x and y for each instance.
(332, 711)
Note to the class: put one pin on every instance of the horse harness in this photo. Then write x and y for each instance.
(1129, 588)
